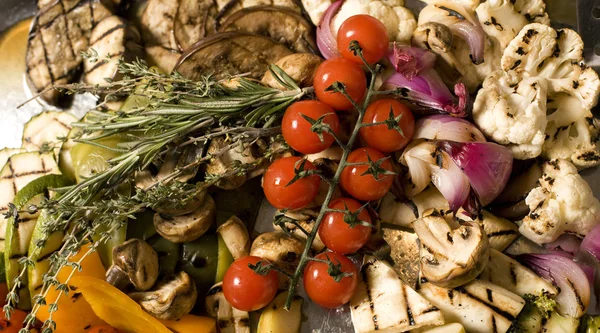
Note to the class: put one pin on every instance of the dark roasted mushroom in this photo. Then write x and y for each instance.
(135, 264)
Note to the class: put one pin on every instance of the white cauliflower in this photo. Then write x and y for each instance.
(540, 53)
(512, 111)
(399, 21)
(502, 20)
(563, 202)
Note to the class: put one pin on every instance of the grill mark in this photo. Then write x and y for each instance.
(12, 173)
(66, 126)
(501, 233)
(23, 174)
(108, 32)
(513, 274)
(411, 319)
(67, 32)
(431, 309)
(46, 256)
(413, 207)
(490, 295)
(24, 220)
(494, 325)
(365, 278)
(102, 63)
(577, 296)
(491, 306)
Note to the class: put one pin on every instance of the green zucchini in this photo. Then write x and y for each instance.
(47, 130)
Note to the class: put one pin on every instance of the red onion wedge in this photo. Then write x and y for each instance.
(565, 243)
(591, 243)
(487, 165)
(410, 61)
(473, 34)
(443, 127)
(575, 290)
(325, 41)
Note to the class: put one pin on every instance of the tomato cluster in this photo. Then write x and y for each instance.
(309, 127)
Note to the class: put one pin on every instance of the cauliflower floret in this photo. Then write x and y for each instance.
(316, 9)
(471, 4)
(553, 59)
(399, 21)
(502, 20)
(512, 111)
(563, 202)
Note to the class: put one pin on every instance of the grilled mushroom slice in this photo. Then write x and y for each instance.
(172, 298)
(305, 218)
(222, 162)
(500, 232)
(450, 258)
(300, 67)
(230, 53)
(236, 238)
(405, 212)
(229, 319)
(282, 24)
(112, 38)
(134, 263)
(186, 228)
(280, 249)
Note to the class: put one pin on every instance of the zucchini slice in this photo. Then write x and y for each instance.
(8, 152)
(19, 230)
(47, 130)
(20, 169)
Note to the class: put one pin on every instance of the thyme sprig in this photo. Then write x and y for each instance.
(175, 113)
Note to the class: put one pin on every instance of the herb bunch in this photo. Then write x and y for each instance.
(175, 113)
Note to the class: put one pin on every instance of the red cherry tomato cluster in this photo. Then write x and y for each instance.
(310, 127)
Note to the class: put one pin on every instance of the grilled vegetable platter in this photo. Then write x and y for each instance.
(420, 171)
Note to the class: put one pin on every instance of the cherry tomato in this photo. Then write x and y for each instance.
(380, 136)
(366, 187)
(370, 34)
(337, 234)
(247, 290)
(102, 329)
(3, 293)
(17, 317)
(296, 129)
(346, 72)
(322, 288)
(297, 195)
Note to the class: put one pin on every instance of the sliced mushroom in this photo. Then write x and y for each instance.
(306, 219)
(173, 161)
(229, 319)
(172, 298)
(280, 249)
(404, 213)
(450, 258)
(134, 263)
(186, 228)
(333, 153)
(189, 207)
(235, 235)
(500, 232)
(222, 163)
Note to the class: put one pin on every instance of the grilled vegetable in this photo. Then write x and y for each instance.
(479, 306)
(112, 38)
(280, 249)
(231, 7)
(46, 130)
(235, 236)
(300, 67)
(60, 32)
(19, 170)
(383, 303)
(282, 24)
(6, 153)
(230, 320)
(450, 258)
(509, 274)
(19, 230)
(230, 53)
(306, 219)
(275, 318)
(135, 264)
(500, 232)
(188, 227)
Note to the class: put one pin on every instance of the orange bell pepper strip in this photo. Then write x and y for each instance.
(74, 314)
(192, 324)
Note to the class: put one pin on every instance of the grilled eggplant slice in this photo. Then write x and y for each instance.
(230, 7)
(280, 23)
(383, 303)
(195, 19)
(231, 53)
(113, 38)
(45, 131)
(479, 306)
(60, 32)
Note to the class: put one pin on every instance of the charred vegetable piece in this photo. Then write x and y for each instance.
(135, 264)
(112, 39)
(281, 24)
(450, 258)
(195, 19)
(60, 32)
(43, 132)
(300, 67)
(275, 318)
(188, 227)
(230, 53)
(382, 302)
(230, 319)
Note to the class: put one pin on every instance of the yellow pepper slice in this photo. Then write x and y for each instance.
(74, 314)
(115, 307)
(192, 324)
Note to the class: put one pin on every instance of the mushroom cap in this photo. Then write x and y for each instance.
(187, 208)
(186, 228)
(138, 261)
(279, 248)
(236, 238)
(222, 163)
(172, 298)
(450, 258)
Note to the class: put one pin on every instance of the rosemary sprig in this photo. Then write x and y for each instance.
(178, 112)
